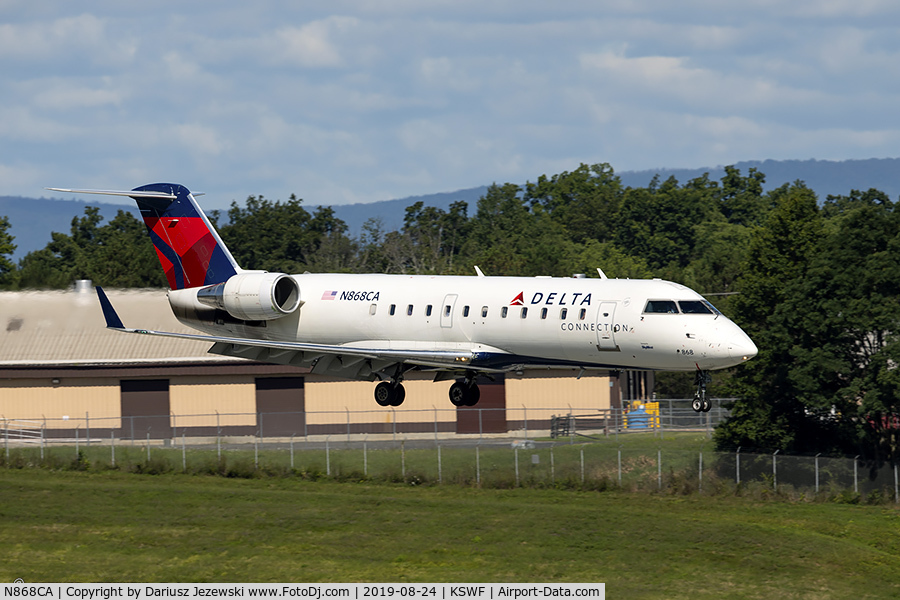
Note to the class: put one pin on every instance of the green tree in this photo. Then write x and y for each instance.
(771, 410)
(7, 247)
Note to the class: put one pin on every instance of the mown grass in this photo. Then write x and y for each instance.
(113, 526)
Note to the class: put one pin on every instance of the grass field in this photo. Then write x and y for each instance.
(113, 526)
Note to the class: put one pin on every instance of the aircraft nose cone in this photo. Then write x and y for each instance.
(742, 347)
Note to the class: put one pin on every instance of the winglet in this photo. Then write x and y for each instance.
(109, 313)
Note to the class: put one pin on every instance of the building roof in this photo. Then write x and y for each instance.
(67, 328)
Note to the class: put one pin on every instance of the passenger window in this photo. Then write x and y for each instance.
(543, 313)
(503, 312)
(484, 311)
(428, 311)
(661, 306)
(694, 307)
(465, 311)
(372, 309)
(447, 311)
(524, 311)
(409, 310)
(563, 313)
(582, 314)
(393, 309)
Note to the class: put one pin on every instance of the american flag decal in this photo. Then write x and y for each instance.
(329, 295)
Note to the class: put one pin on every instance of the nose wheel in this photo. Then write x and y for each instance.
(701, 403)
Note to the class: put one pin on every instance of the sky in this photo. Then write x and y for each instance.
(363, 100)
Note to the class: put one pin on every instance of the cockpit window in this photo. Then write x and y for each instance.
(661, 306)
(695, 307)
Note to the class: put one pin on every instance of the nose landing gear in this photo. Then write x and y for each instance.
(700, 402)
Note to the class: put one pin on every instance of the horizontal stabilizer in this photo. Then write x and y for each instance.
(109, 313)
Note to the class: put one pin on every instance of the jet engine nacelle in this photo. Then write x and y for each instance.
(256, 296)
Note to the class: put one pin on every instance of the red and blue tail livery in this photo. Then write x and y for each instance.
(189, 249)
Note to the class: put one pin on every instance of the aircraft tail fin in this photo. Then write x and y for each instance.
(189, 248)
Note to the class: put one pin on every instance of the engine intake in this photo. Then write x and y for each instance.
(254, 296)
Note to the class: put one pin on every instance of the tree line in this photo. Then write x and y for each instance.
(815, 284)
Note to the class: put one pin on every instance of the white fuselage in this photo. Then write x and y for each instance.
(504, 321)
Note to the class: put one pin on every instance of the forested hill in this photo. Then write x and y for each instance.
(33, 219)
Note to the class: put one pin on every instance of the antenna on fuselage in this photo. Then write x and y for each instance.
(602, 274)
(478, 271)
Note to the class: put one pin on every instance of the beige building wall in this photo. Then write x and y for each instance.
(328, 401)
(542, 394)
(194, 401)
(64, 406)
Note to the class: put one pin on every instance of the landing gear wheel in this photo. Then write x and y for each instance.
(700, 403)
(399, 395)
(383, 393)
(463, 393)
(390, 394)
(697, 404)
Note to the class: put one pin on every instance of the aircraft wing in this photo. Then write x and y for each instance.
(359, 362)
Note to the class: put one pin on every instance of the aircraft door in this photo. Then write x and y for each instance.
(447, 310)
(606, 339)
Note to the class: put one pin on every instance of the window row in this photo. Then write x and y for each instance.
(466, 311)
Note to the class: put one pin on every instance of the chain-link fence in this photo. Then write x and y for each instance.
(498, 461)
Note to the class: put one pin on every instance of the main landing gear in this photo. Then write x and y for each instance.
(465, 392)
(700, 402)
(462, 393)
(390, 393)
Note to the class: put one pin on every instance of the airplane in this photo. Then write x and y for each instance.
(380, 327)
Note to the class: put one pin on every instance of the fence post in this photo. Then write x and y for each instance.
(659, 467)
(817, 472)
(183, 453)
(856, 474)
(87, 425)
(775, 472)
(292, 450)
(700, 484)
(896, 486)
(525, 417)
(256, 449)
(480, 428)
(435, 423)
(366, 456)
(327, 457)
(516, 452)
(440, 472)
(619, 452)
(582, 466)
(737, 466)
(477, 467)
(218, 438)
(403, 459)
(112, 446)
(148, 444)
(552, 467)
(6, 430)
